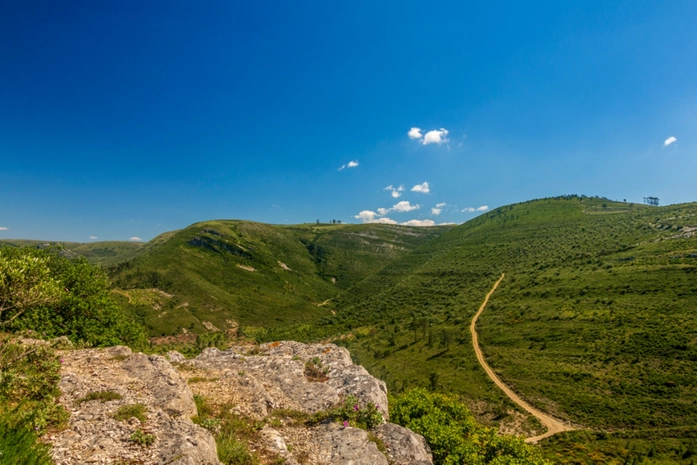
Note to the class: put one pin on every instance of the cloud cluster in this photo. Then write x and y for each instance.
(669, 141)
(419, 223)
(423, 188)
(395, 191)
(351, 164)
(437, 136)
(483, 208)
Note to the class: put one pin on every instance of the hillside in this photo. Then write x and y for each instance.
(221, 275)
(102, 253)
(594, 322)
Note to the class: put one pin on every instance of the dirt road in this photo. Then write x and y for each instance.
(553, 425)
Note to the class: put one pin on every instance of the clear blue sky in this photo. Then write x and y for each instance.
(129, 118)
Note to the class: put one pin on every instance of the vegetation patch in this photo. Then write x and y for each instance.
(142, 439)
(315, 372)
(126, 412)
(453, 434)
(101, 396)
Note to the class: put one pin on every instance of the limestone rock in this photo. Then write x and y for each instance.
(349, 446)
(93, 434)
(404, 446)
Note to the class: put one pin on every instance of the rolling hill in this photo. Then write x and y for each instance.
(595, 321)
(102, 253)
(223, 275)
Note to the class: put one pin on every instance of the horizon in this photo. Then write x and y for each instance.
(126, 120)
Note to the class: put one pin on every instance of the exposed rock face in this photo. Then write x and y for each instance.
(94, 436)
(404, 446)
(274, 378)
(254, 381)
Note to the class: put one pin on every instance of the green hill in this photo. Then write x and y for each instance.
(595, 321)
(102, 253)
(218, 275)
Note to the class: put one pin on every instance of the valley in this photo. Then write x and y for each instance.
(594, 325)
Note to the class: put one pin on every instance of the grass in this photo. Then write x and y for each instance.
(126, 412)
(101, 396)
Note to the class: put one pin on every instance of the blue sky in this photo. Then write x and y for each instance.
(127, 119)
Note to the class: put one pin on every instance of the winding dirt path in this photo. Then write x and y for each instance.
(553, 425)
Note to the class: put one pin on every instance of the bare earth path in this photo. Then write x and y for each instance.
(553, 425)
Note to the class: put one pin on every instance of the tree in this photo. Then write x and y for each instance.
(46, 292)
(25, 283)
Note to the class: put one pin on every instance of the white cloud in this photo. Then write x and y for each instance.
(483, 208)
(423, 188)
(404, 206)
(395, 191)
(445, 224)
(366, 216)
(436, 211)
(351, 164)
(468, 210)
(441, 205)
(669, 141)
(3, 229)
(383, 221)
(437, 136)
(93, 237)
(415, 133)
(383, 211)
(419, 223)
(135, 238)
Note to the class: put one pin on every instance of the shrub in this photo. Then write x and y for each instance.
(43, 291)
(453, 434)
(143, 439)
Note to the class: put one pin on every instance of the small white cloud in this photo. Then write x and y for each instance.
(468, 210)
(419, 223)
(415, 133)
(404, 206)
(93, 237)
(423, 188)
(669, 141)
(351, 164)
(394, 191)
(483, 208)
(441, 205)
(445, 224)
(366, 216)
(135, 238)
(436, 211)
(383, 211)
(2, 228)
(437, 136)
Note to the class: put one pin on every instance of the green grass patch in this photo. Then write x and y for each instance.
(101, 396)
(128, 411)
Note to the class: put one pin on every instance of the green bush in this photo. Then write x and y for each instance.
(453, 434)
(19, 446)
(52, 295)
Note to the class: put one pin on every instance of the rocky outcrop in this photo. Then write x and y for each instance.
(94, 435)
(404, 446)
(254, 382)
